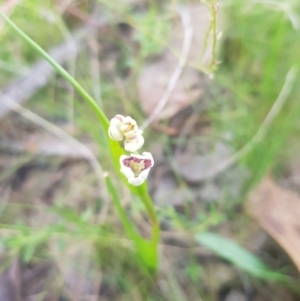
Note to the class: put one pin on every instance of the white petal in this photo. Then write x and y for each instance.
(129, 127)
(141, 140)
(136, 181)
(115, 134)
(147, 155)
(132, 145)
(144, 155)
(122, 158)
(114, 130)
(127, 172)
(130, 120)
(144, 174)
(125, 169)
(120, 117)
(116, 123)
(129, 134)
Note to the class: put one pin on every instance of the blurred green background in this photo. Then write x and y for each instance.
(232, 121)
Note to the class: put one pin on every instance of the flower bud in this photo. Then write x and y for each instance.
(135, 143)
(114, 130)
(129, 127)
(136, 167)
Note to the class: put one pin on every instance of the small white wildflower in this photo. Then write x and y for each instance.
(121, 127)
(134, 143)
(129, 127)
(136, 167)
(114, 130)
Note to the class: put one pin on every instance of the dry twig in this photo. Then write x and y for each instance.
(188, 35)
(259, 136)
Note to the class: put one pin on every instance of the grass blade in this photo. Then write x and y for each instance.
(238, 256)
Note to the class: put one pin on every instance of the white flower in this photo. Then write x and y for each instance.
(134, 143)
(121, 127)
(136, 167)
(114, 130)
(129, 127)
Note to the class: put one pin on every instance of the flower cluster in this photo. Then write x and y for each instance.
(135, 167)
(126, 128)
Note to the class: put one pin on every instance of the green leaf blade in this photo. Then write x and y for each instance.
(238, 256)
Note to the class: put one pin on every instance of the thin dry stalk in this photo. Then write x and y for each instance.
(261, 133)
(187, 41)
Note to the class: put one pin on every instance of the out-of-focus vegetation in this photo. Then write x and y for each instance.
(259, 50)
(51, 208)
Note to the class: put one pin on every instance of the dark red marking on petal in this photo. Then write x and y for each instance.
(136, 160)
(126, 162)
(148, 163)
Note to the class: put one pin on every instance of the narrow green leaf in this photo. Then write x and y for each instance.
(69, 215)
(146, 249)
(79, 89)
(238, 256)
(131, 232)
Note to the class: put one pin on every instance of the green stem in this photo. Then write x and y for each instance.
(146, 249)
(152, 214)
(122, 214)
